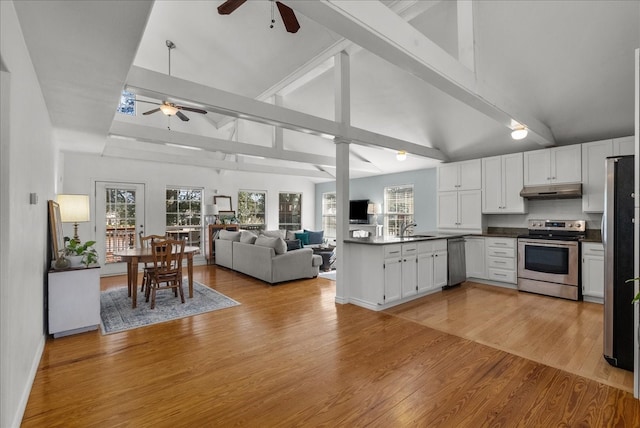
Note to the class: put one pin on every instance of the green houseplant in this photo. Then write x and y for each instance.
(86, 251)
(637, 296)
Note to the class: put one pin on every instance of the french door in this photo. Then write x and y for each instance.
(119, 220)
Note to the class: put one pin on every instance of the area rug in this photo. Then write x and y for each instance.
(117, 315)
(328, 275)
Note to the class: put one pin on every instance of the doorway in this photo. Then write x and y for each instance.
(119, 218)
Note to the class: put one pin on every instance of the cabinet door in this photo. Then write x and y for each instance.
(392, 279)
(448, 177)
(409, 275)
(537, 167)
(623, 146)
(425, 272)
(470, 209)
(492, 185)
(593, 276)
(439, 269)
(447, 210)
(593, 174)
(512, 182)
(566, 165)
(470, 176)
(474, 257)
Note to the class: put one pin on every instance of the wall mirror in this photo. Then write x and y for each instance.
(55, 223)
(223, 203)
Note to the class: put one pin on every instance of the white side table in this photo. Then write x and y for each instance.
(74, 300)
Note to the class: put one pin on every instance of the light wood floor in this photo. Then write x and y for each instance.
(289, 356)
(559, 333)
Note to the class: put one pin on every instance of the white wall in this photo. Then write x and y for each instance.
(27, 163)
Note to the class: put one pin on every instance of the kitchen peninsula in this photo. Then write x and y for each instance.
(384, 272)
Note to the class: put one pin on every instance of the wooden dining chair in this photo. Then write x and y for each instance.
(167, 268)
(145, 242)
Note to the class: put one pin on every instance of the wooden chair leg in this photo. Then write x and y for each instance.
(153, 298)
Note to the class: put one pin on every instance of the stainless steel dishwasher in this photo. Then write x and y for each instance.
(457, 268)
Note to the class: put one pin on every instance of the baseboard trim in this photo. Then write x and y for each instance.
(24, 398)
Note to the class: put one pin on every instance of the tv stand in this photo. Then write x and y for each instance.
(373, 229)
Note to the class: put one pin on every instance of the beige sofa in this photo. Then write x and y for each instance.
(263, 262)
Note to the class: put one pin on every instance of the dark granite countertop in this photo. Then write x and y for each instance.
(417, 236)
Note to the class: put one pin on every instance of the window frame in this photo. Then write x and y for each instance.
(394, 219)
(329, 219)
(240, 207)
(191, 230)
(290, 225)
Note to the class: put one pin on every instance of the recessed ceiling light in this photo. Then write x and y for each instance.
(519, 133)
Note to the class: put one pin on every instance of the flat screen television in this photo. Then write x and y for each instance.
(358, 211)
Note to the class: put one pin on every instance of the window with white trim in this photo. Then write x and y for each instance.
(251, 209)
(398, 206)
(329, 214)
(184, 214)
(127, 103)
(290, 211)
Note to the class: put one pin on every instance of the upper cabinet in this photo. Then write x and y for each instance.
(593, 169)
(553, 166)
(502, 180)
(459, 176)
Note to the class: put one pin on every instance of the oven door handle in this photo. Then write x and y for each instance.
(543, 243)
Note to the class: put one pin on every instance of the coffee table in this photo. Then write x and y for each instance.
(328, 255)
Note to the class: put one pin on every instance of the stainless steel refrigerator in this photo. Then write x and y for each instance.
(617, 237)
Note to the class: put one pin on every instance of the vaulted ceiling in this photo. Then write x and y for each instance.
(443, 80)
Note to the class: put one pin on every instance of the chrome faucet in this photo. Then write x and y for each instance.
(406, 226)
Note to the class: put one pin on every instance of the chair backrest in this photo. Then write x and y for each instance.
(167, 256)
(145, 241)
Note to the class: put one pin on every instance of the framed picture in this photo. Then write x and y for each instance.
(223, 203)
(55, 223)
(226, 216)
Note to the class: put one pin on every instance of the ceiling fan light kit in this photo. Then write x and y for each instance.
(169, 108)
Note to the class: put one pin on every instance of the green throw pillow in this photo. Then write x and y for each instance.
(303, 237)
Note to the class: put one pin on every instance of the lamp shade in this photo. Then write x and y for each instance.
(373, 208)
(74, 208)
(208, 210)
(216, 210)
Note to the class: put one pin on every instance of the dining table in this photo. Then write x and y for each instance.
(134, 256)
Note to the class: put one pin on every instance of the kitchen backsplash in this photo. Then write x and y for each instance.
(556, 209)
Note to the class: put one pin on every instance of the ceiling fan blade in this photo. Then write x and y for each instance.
(288, 18)
(182, 116)
(151, 111)
(195, 110)
(229, 6)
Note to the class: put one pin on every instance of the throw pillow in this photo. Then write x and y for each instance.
(303, 237)
(274, 233)
(293, 244)
(315, 237)
(229, 236)
(247, 237)
(291, 234)
(277, 244)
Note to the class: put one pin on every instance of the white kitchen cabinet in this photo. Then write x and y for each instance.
(459, 176)
(593, 272)
(556, 165)
(474, 252)
(392, 273)
(501, 259)
(432, 265)
(74, 300)
(624, 146)
(409, 270)
(502, 181)
(593, 169)
(460, 210)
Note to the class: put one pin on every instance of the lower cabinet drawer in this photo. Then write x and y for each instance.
(503, 275)
(501, 252)
(502, 263)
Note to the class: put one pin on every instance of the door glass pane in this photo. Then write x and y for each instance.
(120, 220)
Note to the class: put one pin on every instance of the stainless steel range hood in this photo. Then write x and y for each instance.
(552, 191)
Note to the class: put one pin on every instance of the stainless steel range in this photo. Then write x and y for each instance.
(549, 258)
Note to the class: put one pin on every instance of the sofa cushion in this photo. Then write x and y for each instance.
(293, 244)
(274, 233)
(277, 244)
(315, 237)
(303, 237)
(291, 234)
(228, 235)
(247, 237)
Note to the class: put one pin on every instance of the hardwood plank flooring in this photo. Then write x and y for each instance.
(289, 356)
(559, 333)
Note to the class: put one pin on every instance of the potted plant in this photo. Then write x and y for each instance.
(79, 254)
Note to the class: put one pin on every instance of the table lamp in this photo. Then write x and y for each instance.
(74, 209)
(374, 209)
(210, 211)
